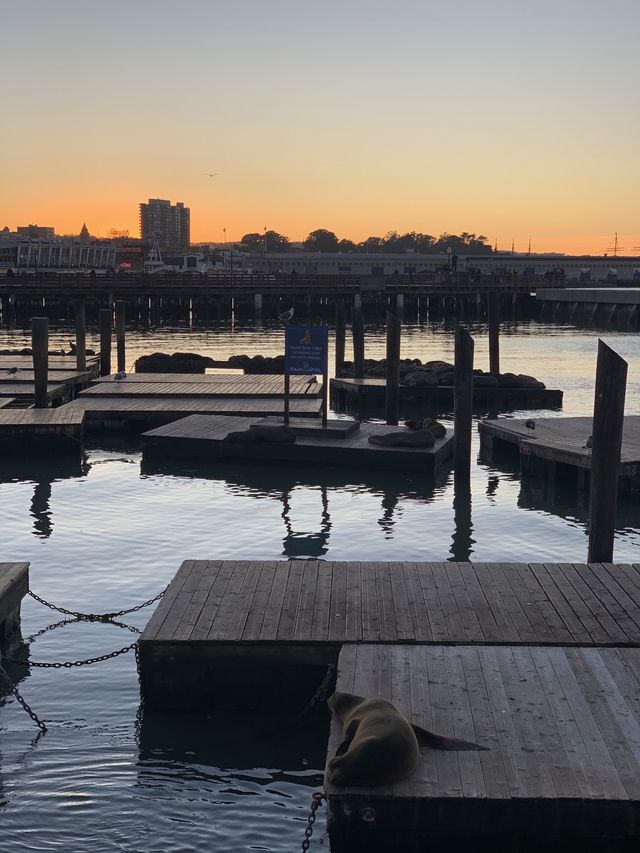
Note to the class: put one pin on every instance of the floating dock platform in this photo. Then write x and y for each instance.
(14, 585)
(203, 385)
(369, 394)
(562, 442)
(562, 769)
(203, 437)
(41, 429)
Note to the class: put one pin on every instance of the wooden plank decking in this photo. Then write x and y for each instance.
(562, 440)
(207, 385)
(274, 617)
(562, 727)
(14, 584)
(23, 393)
(42, 429)
(150, 411)
(203, 437)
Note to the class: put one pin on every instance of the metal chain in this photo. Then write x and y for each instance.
(13, 689)
(97, 617)
(316, 800)
(71, 663)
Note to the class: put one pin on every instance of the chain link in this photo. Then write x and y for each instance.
(97, 617)
(71, 663)
(316, 800)
(13, 689)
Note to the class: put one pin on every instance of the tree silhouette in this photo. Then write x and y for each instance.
(321, 240)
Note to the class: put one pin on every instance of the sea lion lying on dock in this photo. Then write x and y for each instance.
(404, 438)
(262, 435)
(435, 427)
(380, 745)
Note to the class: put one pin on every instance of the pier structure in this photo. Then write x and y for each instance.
(540, 663)
(14, 585)
(614, 307)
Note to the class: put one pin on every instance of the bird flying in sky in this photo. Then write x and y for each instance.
(212, 174)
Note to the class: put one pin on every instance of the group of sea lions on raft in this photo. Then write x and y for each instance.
(422, 433)
(380, 745)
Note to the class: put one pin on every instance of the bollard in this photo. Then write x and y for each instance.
(358, 338)
(40, 350)
(104, 320)
(340, 335)
(462, 404)
(608, 421)
(120, 334)
(393, 368)
(493, 311)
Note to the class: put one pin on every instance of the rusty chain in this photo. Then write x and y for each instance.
(13, 689)
(71, 663)
(316, 800)
(97, 617)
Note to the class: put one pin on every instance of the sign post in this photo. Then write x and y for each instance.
(306, 353)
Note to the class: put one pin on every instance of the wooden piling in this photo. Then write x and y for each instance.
(40, 350)
(358, 338)
(80, 310)
(340, 335)
(120, 333)
(393, 368)
(608, 419)
(104, 320)
(493, 311)
(462, 404)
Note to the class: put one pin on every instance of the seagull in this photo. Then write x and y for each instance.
(212, 174)
(286, 315)
(120, 375)
(13, 370)
(530, 425)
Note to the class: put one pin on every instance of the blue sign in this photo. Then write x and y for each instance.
(305, 349)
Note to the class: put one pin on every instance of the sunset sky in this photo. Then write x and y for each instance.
(498, 117)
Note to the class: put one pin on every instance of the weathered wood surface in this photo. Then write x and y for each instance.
(25, 392)
(166, 409)
(563, 440)
(466, 603)
(62, 416)
(563, 730)
(70, 377)
(14, 584)
(56, 362)
(202, 437)
(203, 385)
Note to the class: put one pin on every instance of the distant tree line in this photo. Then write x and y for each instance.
(323, 240)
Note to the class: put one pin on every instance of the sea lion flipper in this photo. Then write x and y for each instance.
(433, 741)
(344, 746)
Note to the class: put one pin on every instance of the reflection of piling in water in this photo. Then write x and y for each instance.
(462, 541)
(40, 509)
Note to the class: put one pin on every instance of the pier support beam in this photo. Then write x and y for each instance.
(257, 305)
(393, 368)
(462, 405)
(80, 311)
(358, 338)
(493, 311)
(608, 420)
(120, 334)
(40, 350)
(104, 320)
(340, 335)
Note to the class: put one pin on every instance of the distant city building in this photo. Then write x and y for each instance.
(36, 231)
(167, 223)
(20, 252)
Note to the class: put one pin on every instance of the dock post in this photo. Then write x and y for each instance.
(358, 338)
(493, 311)
(340, 335)
(462, 404)
(257, 305)
(608, 420)
(80, 310)
(40, 350)
(120, 333)
(104, 320)
(393, 368)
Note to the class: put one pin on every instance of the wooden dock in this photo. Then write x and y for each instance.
(41, 429)
(22, 394)
(562, 442)
(369, 394)
(203, 437)
(65, 363)
(562, 770)
(14, 584)
(264, 621)
(203, 385)
(145, 412)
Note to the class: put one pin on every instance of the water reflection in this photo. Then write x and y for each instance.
(309, 545)
(462, 542)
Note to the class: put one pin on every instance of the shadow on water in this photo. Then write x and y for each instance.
(272, 482)
(239, 741)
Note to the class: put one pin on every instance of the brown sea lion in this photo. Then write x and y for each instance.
(435, 427)
(380, 745)
(263, 435)
(404, 438)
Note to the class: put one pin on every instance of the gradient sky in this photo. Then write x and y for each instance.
(497, 117)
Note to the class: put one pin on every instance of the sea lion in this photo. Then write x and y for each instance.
(405, 438)
(262, 435)
(435, 427)
(380, 745)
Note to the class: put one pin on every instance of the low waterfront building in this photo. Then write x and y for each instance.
(20, 252)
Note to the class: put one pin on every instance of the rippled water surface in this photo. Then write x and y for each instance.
(104, 533)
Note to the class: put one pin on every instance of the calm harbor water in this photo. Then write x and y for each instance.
(105, 533)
